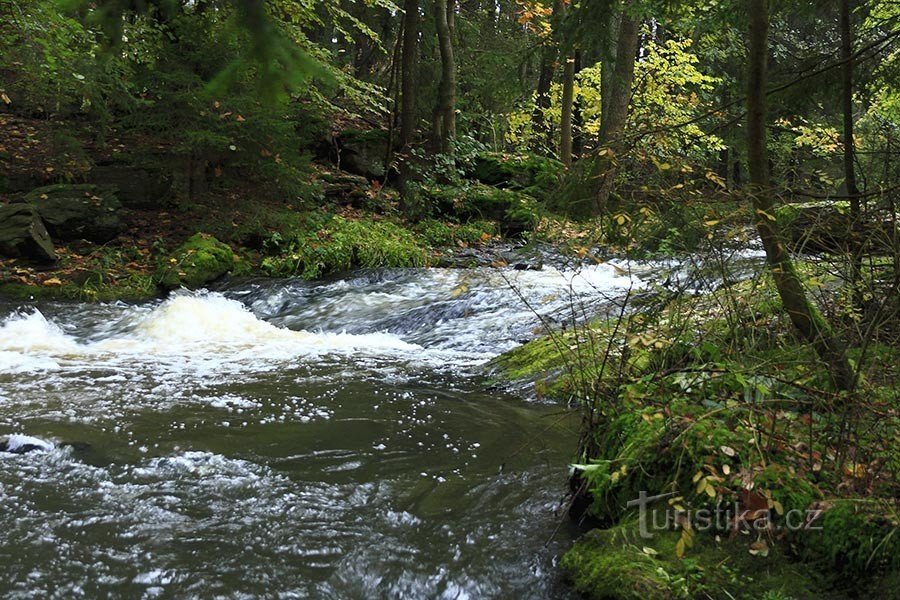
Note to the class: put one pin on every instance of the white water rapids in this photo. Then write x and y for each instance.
(279, 438)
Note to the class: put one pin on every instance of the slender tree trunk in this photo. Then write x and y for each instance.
(539, 127)
(568, 102)
(854, 243)
(608, 66)
(803, 314)
(577, 116)
(408, 97)
(445, 111)
(617, 111)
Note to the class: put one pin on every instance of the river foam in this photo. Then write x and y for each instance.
(201, 325)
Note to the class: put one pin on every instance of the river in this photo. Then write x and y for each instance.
(282, 438)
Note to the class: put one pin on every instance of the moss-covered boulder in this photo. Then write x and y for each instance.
(200, 260)
(514, 211)
(618, 563)
(816, 226)
(22, 234)
(78, 211)
(532, 172)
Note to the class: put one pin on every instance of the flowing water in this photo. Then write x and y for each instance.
(288, 439)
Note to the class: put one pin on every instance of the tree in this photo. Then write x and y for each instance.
(408, 95)
(568, 106)
(445, 109)
(803, 314)
(613, 125)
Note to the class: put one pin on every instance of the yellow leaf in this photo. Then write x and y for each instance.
(679, 548)
(52, 282)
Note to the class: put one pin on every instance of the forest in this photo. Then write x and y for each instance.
(450, 298)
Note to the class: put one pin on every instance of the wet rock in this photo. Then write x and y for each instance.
(22, 234)
(200, 260)
(78, 211)
(23, 444)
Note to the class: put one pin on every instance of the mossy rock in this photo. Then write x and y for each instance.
(200, 260)
(532, 172)
(514, 211)
(853, 541)
(618, 563)
(363, 152)
(816, 226)
(328, 244)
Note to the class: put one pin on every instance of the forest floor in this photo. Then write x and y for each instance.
(259, 227)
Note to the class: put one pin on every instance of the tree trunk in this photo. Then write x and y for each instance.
(854, 243)
(568, 101)
(408, 97)
(608, 65)
(617, 110)
(805, 317)
(540, 129)
(445, 111)
(577, 116)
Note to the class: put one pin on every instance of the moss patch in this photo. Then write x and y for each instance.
(618, 564)
(330, 243)
(201, 259)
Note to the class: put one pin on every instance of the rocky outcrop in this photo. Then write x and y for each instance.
(361, 152)
(200, 260)
(22, 234)
(78, 211)
(137, 187)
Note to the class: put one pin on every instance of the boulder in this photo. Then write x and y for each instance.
(78, 211)
(514, 211)
(22, 234)
(362, 152)
(200, 260)
(531, 172)
(816, 226)
(345, 188)
(137, 187)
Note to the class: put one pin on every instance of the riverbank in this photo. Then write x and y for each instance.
(766, 484)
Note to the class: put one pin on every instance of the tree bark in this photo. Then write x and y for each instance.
(408, 97)
(568, 102)
(854, 243)
(612, 127)
(540, 129)
(445, 110)
(577, 116)
(803, 314)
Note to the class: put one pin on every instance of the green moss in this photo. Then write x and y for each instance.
(133, 287)
(854, 540)
(439, 233)
(201, 259)
(532, 172)
(618, 563)
(332, 244)
(514, 211)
